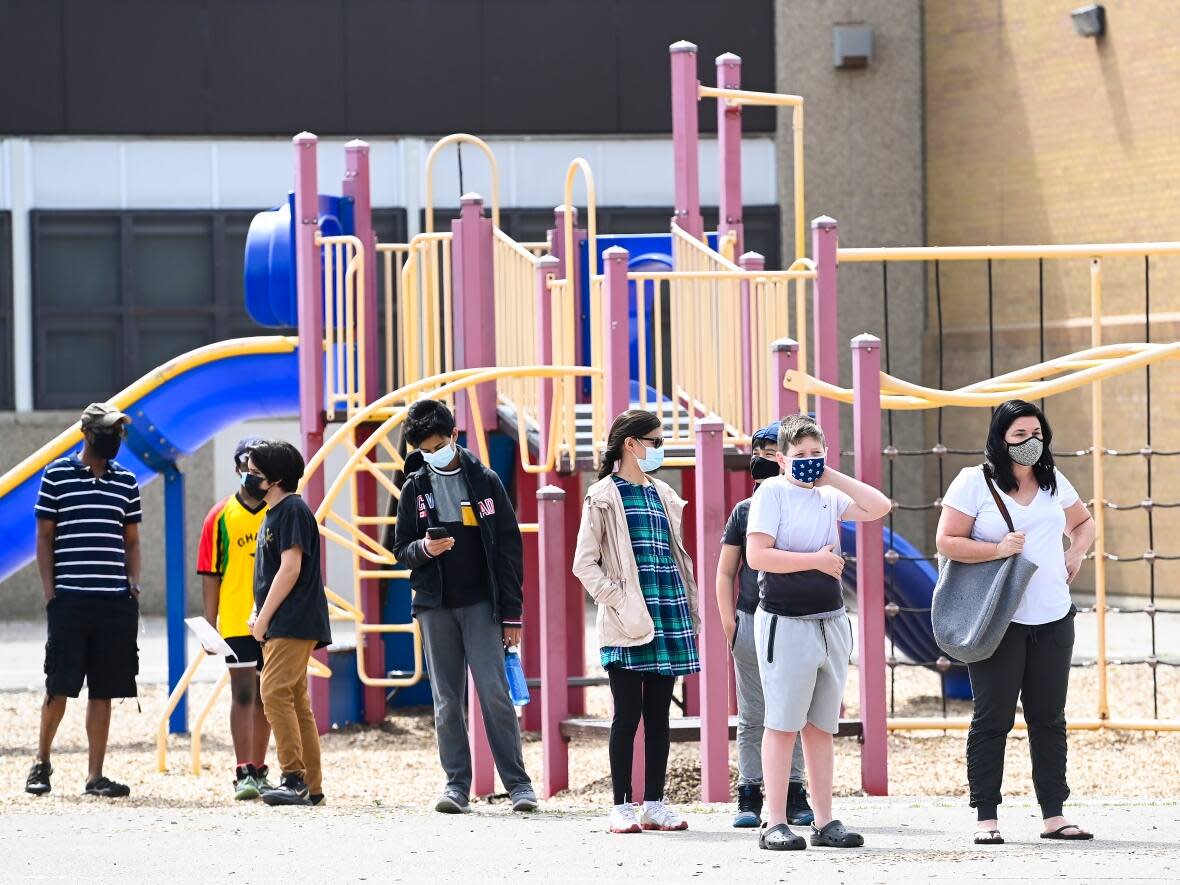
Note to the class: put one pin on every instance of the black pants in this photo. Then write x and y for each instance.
(639, 694)
(1032, 663)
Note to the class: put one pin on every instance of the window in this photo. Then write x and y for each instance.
(118, 293)
(6, 389)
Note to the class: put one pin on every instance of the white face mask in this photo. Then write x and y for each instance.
(442, 458)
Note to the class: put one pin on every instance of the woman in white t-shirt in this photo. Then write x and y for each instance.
(1033, 660)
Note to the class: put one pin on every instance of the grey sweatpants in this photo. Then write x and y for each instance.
(458, 639)
(752, 707)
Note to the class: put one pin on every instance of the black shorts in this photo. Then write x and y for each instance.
(247, 652)
(92, 639)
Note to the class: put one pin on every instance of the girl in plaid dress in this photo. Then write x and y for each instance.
(631, 559)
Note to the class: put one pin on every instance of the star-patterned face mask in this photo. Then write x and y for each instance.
(807, 470)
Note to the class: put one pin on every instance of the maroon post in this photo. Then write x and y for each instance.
(826, 333)
(310, 312)
(714, 682)
(784, 357)
(474, 308)
(870, 567)
(729, 151)
(554, 666)
(616, 331)
(357, 186)
(754, 262)
(686, 137)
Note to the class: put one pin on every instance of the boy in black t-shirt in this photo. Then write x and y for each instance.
(739, 629)
(291, 618)
(457, 532)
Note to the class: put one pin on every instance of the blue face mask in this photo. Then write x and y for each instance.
(807, 470)
(652, 461)
(441, 459)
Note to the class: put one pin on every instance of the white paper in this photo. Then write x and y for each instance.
(208, 636)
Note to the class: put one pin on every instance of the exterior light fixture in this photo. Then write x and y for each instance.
(852, 45)
(1089, 21)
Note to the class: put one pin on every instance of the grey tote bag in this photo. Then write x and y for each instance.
(974, 602)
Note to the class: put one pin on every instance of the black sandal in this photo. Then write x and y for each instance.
(780, 838)
(988, 837)
(1059, 833)
(835, 835)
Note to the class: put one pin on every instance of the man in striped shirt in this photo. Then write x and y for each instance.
(88, 515)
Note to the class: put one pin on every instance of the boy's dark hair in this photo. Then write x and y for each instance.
(794, 429)
(280, 462)
(427, 418)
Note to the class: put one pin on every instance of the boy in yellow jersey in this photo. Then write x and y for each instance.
(225, 562)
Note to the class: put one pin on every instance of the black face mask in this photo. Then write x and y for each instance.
(253, 485)
(106, 445)
(763, 468)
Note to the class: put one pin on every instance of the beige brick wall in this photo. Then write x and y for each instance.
(1036, 135)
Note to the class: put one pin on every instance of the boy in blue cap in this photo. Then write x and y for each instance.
(739, 630)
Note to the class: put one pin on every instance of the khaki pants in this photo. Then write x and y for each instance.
(288, 708)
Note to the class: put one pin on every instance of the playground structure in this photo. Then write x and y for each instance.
(542, 344)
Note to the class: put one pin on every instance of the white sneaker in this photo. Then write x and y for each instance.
(623, 819)
(658, 816)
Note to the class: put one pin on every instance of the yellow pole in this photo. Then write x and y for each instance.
(173, 700)
(1099, 488)
(199, 725)
(800, 244)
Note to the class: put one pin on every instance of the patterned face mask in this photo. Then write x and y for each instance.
(1028, 452)
(807, 470)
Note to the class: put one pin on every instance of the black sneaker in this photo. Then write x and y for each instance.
(104, 786)
(798, 808)
(290, 791)
(749, 814)
(315, 798)
(37, 782)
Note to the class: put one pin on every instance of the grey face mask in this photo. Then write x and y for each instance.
(1028, 452)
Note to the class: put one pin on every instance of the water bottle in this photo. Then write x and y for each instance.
(518, 689)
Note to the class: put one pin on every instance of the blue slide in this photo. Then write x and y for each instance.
(175, 409)
(911, 582)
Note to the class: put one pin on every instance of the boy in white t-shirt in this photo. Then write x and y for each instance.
(803, 635)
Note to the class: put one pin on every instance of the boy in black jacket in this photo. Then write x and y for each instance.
(467, 598)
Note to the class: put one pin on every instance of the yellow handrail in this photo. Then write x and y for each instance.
(1102, 362)
(461, 138)
(344, 322)
(1005, 253)
(346, 531)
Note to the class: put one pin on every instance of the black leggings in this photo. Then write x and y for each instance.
(1032, 663)
(639, 694)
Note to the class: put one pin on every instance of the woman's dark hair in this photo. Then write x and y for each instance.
(280, 462)
(633, 423)
(999, 462)
(427, 418)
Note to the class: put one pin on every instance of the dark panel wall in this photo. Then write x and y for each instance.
(377, 67)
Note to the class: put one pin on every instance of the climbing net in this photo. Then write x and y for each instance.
(907, 624)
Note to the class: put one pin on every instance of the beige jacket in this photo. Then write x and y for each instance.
(605, 564)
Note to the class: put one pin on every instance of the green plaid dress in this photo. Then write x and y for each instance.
(673, 649)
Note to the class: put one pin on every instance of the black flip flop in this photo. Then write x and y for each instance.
(1060, 834)
(993, 837)
(835, 835)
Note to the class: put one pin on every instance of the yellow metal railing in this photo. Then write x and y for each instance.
(346, 530)
(744, 98)
(314, 668)
(392, 259)
(515, 287)
(344, 323)
(458, 139)
(425, 309)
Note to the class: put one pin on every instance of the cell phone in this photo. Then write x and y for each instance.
(436, 533)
